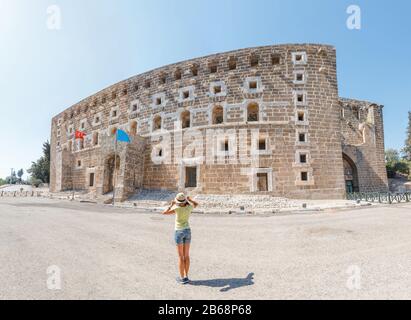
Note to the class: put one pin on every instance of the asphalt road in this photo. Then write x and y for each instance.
(53, 249)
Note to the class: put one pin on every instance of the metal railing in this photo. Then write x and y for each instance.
(380, 197)
(14, 194)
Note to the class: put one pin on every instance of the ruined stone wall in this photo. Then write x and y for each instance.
(363, 142)
(292, 87)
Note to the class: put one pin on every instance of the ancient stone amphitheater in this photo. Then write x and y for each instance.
(265, 120)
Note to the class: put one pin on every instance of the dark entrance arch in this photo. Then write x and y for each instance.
(350, 175)
(109, 172)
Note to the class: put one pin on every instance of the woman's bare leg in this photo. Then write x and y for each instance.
(181, 260)
(186, 258)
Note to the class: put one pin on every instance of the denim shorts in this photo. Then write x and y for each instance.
(182, 236)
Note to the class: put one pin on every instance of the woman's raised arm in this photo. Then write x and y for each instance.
(194, 203)
(168, 210)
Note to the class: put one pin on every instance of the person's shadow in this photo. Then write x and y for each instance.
(226, 284)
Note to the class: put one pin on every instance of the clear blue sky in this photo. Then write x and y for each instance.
(101, 42)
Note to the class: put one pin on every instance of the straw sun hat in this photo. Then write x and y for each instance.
(180, 198)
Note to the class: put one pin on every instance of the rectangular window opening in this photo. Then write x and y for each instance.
(252, 84)
(91, 184)
(232, 64)
(225, 146)
(262, 145)
(191, 177)
(304, 176)
(275, 59)
(254, 61)
(262, 182)
(95, 139)
(303, 158)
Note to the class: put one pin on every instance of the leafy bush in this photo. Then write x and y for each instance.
(402, 166)
(35, 182)
(395, 164)
(390, 171)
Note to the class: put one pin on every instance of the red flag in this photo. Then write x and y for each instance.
(79, 135)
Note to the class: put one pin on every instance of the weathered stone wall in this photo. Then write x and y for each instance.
(363, 142)
(292, 87)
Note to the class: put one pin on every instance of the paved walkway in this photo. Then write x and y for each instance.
(114, 253)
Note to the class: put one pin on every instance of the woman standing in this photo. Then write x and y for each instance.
(182, 207)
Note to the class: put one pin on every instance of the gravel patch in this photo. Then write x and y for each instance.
(245, 201)
(160, 198)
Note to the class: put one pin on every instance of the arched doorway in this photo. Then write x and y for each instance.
(350, 175)
(109, 173)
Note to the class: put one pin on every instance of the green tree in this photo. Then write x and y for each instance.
(20, 174)
(395, 164)
(402, 166)
(407, 149)
(392, 156)
(40, 169)
(2, 182)
(12, 179)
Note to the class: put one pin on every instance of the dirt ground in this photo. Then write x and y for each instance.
(52, 249)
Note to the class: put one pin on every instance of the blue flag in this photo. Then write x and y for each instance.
(123, 136)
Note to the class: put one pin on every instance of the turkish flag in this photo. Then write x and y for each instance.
(79, 135)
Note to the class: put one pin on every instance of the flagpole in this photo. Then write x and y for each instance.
(72, 177)
(72, 166)
(115, 167)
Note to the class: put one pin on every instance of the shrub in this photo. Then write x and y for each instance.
(35, 182)
(390, 171)
(402, 166)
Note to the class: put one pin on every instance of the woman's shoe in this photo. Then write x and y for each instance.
(186, 280)
(180, 280)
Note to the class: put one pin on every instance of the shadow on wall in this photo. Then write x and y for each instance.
(226, 284)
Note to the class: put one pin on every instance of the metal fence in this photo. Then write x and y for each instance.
(380, 197)
(14, 194)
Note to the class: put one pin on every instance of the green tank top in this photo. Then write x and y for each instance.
(182, 216)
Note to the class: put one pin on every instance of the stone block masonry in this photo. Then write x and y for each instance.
(265, 120)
